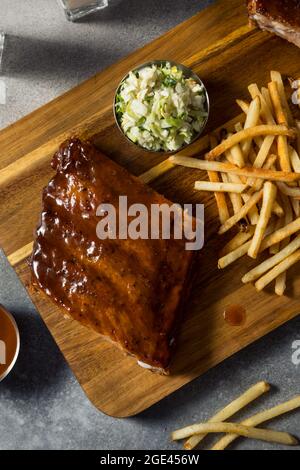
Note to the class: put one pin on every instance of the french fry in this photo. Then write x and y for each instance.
(280, 283)
(295, 159)
(236, 199)
(237, 241)
(239, 128)
(270, 263)
(280, 234)
(241, 251)
(233, 256)
(283, 153)
(279, 269)
(254, 199)
(220, 197)
(253, 214)
(256, 185)
(276, 77)
(244, 105)
(277, 105)
(269, 196)
(263, 130)
(266, 112)
(264, 151)
(296, 206)
(288, 191)
(277, 209)
(281, 118)
(224, 167)
(251, 121)
(252, 155)
(234, 407)
(266, 96)
(237, 155)
(239, 429)
(274, 249)
(298, 136)
(260, 418)
(219, 187)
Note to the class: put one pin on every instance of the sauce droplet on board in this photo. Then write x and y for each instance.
(9, 342)
(235, 315)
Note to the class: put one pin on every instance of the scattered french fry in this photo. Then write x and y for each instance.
(288, 191)
(276, 101)
(280, 283)
(270, 263)
(257, 184)
(281, 118)
(244, 105)
(296, 206)
(264, 151)
(295, 160)
(219, 187)
(279, 269)
(251, 121)
(254, 199)
(266, 96)
(224, 167)
(276, 77)
(233, 256)
(236, 199)
(281, 234)
(260, 418)
(253, 214)
(220, 197)
(266, 112)
(269, 196)
(263, 130)
(239, 429)
(237, 241)
(274, 249)
(234, 407)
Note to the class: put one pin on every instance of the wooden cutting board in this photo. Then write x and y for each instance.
(228, 55)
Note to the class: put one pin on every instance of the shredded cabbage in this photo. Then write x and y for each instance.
(159, 109)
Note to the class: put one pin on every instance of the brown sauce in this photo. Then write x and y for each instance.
(8, 342)
(235, 315)
(127, 290)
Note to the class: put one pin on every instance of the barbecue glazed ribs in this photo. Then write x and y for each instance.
(129, 291)
(281, 17)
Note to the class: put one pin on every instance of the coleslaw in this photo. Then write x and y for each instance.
(159, 109)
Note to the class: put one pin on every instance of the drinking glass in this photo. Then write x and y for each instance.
(75, 9)
(2, 82)
(1, 47)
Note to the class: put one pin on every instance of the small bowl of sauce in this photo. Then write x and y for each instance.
(9, 342)
(235, 315)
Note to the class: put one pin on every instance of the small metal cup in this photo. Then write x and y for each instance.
(188, 73)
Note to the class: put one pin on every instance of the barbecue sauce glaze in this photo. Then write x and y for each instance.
(129, 291)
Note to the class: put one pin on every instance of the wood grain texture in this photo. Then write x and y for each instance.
(227, 55)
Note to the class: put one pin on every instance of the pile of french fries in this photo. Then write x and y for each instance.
(254, 173)
(195, 433)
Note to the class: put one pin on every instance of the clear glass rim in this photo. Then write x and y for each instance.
(2, 40)
(75, 13)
